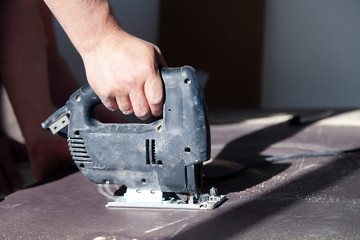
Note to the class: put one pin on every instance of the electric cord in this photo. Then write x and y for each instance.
(269, 160)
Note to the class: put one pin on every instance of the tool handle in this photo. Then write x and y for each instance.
(79, 104)
(82, 102)
(85, 98)
(184, 105)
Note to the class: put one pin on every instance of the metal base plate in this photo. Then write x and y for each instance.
(156, 199)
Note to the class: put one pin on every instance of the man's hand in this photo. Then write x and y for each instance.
(124, 72)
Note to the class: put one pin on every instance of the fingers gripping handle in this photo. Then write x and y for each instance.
(81, 103)
(84, 100)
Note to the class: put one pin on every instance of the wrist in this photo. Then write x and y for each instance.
(104, 27)
(111, 41)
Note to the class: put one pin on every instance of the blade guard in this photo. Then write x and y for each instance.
(165, 155)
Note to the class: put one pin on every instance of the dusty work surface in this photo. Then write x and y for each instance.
(302, 198)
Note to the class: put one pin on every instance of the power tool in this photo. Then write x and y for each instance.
(160, 162)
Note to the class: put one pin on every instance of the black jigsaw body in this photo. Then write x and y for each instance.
(164, 156)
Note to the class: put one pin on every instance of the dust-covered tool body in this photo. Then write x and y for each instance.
(159, 162)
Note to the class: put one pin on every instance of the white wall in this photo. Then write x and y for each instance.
(138, 17)
(311, 54)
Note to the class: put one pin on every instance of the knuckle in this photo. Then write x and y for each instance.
(110, 106)
(143, 114)
(148, 69)
(109, 103)
(142, 110)
(156, 113)
(106, 98)
(129, 81)
(156, 101)
(102, 93)
(125, 108)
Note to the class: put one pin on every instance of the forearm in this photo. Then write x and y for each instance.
(86, 22)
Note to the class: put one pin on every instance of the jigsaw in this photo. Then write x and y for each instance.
(160, 162)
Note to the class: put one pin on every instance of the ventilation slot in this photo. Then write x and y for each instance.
(77, 149)
(150, 151)
(153, 151)
(147, 151)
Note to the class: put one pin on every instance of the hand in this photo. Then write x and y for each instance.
(124, 73)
